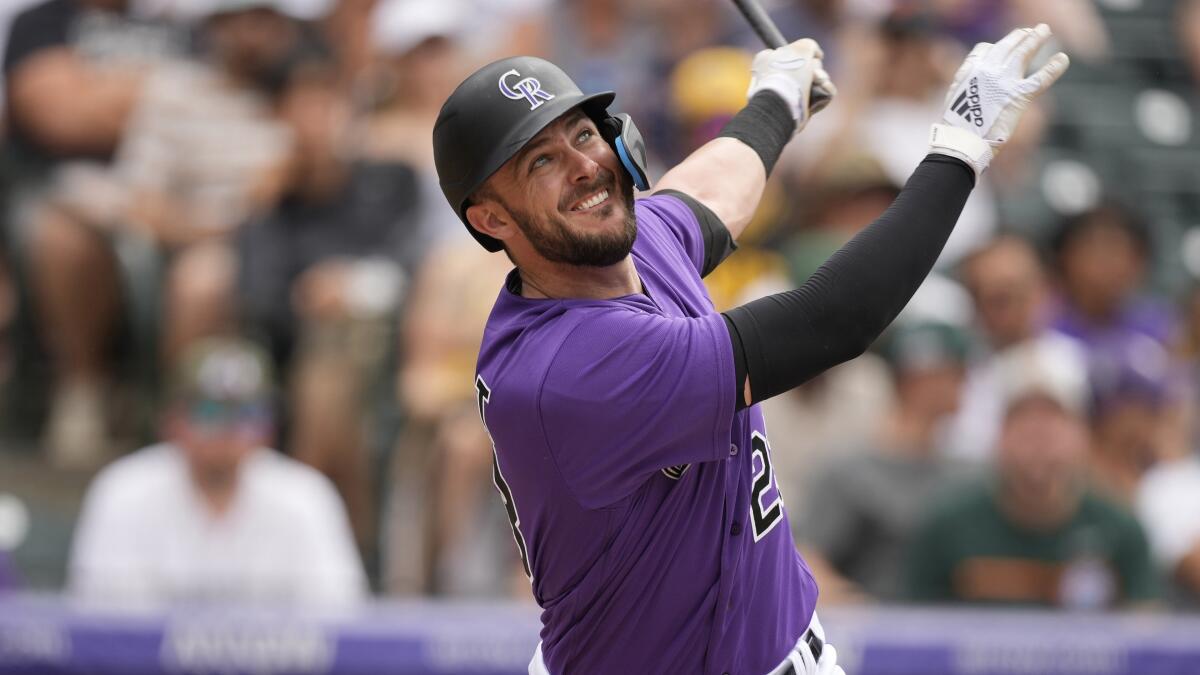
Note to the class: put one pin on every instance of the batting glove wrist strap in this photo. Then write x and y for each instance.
(783, 87)
(990, 91)
(947, 140)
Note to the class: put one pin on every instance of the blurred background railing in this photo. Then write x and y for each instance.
(430, 638)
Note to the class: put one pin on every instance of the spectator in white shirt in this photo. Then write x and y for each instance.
(211, 514)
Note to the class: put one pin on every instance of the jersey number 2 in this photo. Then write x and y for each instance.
(764, 518)
(483, 394)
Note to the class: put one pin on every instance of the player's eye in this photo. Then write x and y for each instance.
(539, 161)
(585, 135)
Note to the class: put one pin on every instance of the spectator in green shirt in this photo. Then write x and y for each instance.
(1033, 533)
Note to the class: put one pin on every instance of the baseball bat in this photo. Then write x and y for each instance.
(762, 24)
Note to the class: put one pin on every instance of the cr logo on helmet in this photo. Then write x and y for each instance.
(528, 88)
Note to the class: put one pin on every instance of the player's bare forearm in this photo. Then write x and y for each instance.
(725, 175)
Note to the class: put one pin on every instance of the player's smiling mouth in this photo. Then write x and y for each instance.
(591, 202)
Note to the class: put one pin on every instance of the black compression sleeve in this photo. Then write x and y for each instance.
(787, 338)
(765, 124)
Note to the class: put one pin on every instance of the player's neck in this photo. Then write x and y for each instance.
(557, 281)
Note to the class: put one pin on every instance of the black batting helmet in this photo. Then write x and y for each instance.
(498, 109)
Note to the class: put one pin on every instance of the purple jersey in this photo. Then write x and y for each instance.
(645, 510)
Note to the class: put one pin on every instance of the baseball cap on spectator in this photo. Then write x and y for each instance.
(711, 82)
(1039, 369)
(226, 370)
(924, 345)
(302, 10)
(397, 26)
(1135, 369)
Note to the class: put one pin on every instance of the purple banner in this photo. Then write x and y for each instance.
(49, 635)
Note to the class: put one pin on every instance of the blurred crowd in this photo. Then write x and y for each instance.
(233, 299)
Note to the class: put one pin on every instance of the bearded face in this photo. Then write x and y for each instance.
(556, 239)
(568, 195)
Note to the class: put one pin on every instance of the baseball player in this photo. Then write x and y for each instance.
(629, 451)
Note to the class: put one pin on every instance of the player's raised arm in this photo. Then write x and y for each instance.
(728, 173)
(783, 340)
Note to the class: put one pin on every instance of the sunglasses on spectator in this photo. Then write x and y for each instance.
(211, 415)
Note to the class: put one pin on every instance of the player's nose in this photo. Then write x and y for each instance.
(583, 168)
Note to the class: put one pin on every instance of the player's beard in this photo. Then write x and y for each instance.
(553, 238)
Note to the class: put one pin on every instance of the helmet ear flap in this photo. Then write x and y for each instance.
(622, 134)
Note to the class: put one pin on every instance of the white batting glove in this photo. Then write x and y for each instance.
(793, 71)
(989, 93)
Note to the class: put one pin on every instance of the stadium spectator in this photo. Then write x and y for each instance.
(419, 56)
(419, 50)
(1011, 296)
(74, 70)
(1033, 533)
(210, 514)
(1101, 257)
(202, 150)
(320, 275)
(1133, 399)
(206, 150)
(862, 507)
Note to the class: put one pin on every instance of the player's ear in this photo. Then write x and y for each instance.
(491, 218)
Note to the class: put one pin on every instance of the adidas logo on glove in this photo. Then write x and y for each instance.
(967, 104)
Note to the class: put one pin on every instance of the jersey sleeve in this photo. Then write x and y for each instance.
(630, 393)
(704, 237)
